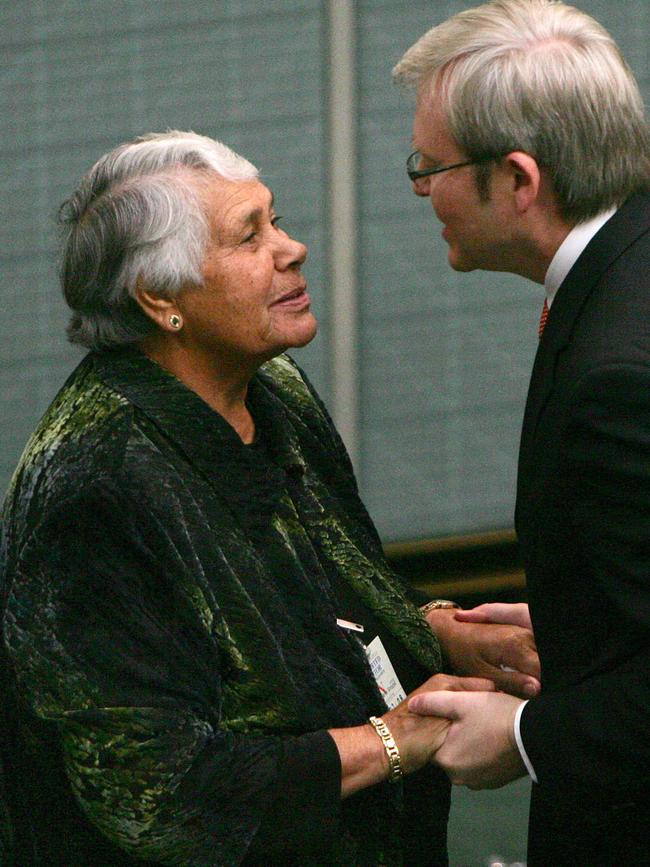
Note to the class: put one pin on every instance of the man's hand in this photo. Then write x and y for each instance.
(418, 742)
(480, 750)
(363, 757)
(504, 653)
(516, 614)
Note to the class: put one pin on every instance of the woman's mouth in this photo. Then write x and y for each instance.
(295, 300)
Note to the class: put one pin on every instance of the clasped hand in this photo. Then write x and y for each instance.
(419, 735)
(479, 748)
(494, 641)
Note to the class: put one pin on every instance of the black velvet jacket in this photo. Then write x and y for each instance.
(171, 658)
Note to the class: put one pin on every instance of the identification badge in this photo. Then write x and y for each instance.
(349, 625)
(384, 673)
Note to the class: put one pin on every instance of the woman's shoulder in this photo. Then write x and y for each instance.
(306, 412)
(81, 436)
(291, 385)
(284, 375)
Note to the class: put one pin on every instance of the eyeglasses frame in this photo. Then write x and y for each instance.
(416, 174)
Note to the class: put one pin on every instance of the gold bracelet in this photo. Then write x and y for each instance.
(395, 769)
(436, 604)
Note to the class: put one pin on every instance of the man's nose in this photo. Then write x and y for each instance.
(421, 186)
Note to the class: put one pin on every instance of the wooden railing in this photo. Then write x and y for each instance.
(470, 568)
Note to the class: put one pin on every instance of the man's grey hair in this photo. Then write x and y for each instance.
(138, 217)
(544, 78)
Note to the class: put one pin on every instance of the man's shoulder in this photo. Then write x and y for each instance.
(621, 255)
(630, 223)
(604, 300)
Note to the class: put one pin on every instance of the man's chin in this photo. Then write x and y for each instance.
(458, 263)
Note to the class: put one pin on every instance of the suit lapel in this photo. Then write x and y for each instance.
(619, 233)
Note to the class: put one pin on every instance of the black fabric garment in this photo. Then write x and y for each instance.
(583, 521)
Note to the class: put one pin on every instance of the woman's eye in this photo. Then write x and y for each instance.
(252, 236)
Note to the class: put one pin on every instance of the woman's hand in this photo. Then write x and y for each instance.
(363, 758)
(504, 652)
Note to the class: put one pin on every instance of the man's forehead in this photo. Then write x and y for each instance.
(426, 121)
(430, 129)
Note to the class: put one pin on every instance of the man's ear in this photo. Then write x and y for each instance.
(161, 309)
(526, 179)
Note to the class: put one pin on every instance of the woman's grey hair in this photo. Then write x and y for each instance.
(138, 217)
(544, 78)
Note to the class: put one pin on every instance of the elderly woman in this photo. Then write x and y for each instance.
(190, 579)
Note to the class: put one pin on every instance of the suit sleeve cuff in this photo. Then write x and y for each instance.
(520, 743)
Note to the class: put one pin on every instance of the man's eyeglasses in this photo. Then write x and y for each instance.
(415, 173)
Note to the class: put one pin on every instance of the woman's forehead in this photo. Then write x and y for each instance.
(234, 196)
(230, 204)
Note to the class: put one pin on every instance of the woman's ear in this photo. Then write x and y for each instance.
(161, 309)
(525, 179)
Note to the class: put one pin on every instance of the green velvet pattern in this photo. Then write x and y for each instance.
(169, 628)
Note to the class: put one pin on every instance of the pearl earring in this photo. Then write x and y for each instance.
(175, 321)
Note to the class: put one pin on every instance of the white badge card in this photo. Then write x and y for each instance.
(349, 625)
(384, 673)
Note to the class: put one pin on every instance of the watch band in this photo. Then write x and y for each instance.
(438, 603)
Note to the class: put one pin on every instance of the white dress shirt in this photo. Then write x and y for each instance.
(565, 258)
(570, 250)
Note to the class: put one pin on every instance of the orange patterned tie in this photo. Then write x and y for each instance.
(542, 319)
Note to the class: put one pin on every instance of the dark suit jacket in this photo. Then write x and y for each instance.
(583, 520)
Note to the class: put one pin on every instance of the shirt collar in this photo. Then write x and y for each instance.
(569, 251)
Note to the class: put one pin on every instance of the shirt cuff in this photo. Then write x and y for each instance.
(520, 743)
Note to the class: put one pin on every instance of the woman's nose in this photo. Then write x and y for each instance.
(292, 253)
